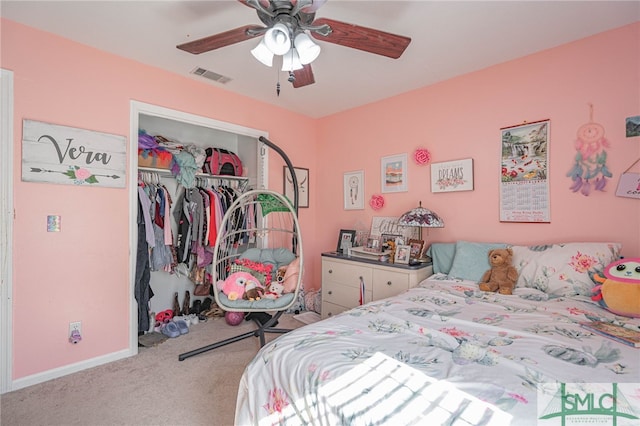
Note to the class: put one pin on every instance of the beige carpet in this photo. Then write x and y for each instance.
(152, 388)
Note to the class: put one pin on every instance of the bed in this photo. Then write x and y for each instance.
(445, 352)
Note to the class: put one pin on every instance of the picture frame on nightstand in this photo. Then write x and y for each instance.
(346, 239)
(373, 245)
(416, 248)
(403, 254)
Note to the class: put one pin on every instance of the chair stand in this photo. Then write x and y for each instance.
(260, 332)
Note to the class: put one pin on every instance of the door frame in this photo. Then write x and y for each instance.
(6, 236)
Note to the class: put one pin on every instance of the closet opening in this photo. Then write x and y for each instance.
(201, 132)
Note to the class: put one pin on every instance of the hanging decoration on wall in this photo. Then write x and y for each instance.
(376, 202)
(70, 156)
(629, 183)
(422, 156)
(590, 168)
(632, 126)
(524, 188)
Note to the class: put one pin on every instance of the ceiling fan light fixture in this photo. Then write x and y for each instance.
(262, 53)
(277, 39)
(291, 61)
(308, 51)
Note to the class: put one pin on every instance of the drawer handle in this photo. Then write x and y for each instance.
(388, 282)
(329, 314)
(360, 278)
(331, 271)
(330, 292)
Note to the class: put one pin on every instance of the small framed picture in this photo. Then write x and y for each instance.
(403, 254)
(394, 173)
(394, 238)
(353, 187)
(346, 239)
(373, 245)
(302, 175)
(416, 248)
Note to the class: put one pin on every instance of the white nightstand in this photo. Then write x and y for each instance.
(342, 276)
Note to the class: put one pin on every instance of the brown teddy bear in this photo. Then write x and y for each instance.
(502, 276)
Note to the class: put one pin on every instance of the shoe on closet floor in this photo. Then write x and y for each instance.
(196, 308)
(171, 329)
(186, 303)
(183, 326)
(206, 304)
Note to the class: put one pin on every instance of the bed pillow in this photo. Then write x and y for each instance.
(472, 259)
(442, 255)
(563, 269)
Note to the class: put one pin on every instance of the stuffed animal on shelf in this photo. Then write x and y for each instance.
(502, 276)
(234, 285)
(275, 289)
(619, 291)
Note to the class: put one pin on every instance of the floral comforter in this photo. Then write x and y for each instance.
(501, 354)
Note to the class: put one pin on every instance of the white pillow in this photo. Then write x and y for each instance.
(563, 269)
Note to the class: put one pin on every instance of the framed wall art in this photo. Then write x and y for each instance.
(346, 238)
(354, 190)
(394, 173)
(303, 185)
(450, 176)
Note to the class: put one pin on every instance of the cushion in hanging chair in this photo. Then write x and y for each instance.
(275, 256)
(259, 305)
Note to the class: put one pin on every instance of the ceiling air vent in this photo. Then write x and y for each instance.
(211, 75)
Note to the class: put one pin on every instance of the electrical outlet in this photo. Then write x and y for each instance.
(75, 326)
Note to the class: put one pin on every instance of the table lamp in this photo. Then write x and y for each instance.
(421, 218)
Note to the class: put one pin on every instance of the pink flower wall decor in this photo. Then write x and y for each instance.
(376, 202)
(422, 156)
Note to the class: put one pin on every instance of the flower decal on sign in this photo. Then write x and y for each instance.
(80, 175)
(422, 156)
(376, 202)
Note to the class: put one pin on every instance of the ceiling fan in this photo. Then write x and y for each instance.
(288, 24)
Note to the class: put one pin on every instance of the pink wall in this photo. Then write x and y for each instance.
(82, 273)
(462, 117)
(62, 277)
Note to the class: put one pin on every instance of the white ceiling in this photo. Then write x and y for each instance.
(449, 38)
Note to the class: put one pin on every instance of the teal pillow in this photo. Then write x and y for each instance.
(442, 255)
(472, 259)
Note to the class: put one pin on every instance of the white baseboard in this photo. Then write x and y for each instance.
(68, 369)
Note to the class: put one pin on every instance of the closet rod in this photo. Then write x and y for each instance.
(242, 181)
(167, 172)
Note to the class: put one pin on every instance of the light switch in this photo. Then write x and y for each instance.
(53, 223)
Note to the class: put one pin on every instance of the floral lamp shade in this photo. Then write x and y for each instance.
(421, 218)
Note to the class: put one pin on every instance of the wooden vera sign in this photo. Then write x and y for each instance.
(71, 156)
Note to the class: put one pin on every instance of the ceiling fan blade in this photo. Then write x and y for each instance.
(220, 40)
(304, 76)
(314, 6)
(264, 3)
(363, 38)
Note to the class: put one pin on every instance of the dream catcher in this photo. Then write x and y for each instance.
(590, 168)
